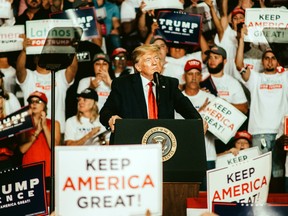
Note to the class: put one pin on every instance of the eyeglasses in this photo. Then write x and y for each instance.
(117, 58)
(35, 102)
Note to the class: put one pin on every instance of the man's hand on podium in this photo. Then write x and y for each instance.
(111, 122)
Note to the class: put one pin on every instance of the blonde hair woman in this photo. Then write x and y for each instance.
(84, 128)
(37, 143)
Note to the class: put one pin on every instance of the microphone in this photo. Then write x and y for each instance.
(156, 79)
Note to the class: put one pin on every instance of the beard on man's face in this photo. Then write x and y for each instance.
(217, 69)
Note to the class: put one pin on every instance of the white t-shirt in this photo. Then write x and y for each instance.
(76, 130)
(42, 82)
(198, 100)
(269, 101)
(128, 10)
(9, 79)
(229, 89)
(12, 104)
(182, 61)
(102, 90)
(174, 70)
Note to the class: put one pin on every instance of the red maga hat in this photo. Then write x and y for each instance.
(193, 64)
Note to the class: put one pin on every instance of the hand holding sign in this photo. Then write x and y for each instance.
(223, 119)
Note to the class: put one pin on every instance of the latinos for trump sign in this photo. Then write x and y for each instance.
(37, 31)
(223, 119)
(247, 182)
(10, 38)
(257, 19)
(179, 27)
(22, 191)
(109, 180)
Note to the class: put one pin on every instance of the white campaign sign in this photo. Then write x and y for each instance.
(108, 180)
(5, 9)
(230, 159)
(37, 31)
(10, 38)
(162, 4)
(245, 182)
(257, 19)
(223, 119)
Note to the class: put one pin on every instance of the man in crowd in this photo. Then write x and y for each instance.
(40, 79)
(200, 99)
(269, 101)
(227, 87)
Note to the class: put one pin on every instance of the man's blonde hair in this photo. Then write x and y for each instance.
(139, 51)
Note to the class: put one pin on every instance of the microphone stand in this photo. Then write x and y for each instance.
(156, 78)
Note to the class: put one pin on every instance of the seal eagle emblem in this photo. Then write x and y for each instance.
(163, 136)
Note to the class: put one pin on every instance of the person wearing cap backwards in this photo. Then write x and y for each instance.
(119, 63)
(84, 127)
(37, 142)
(200, 99)
(10, 100)
(101, 82)
(227, 87)
(129, 95)
(269, 102)
(241, 140)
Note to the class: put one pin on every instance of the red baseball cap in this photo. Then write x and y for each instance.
(237, 11)
(39, 95)
(193, 64)
(243, 135)
(118, 51)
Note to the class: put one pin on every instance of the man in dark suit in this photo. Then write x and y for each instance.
(129, 95)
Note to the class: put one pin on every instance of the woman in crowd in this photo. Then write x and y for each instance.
(37, 144)
(85, 128)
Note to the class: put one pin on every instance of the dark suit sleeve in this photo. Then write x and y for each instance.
(112, 104)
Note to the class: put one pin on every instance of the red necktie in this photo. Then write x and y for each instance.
(152, 105)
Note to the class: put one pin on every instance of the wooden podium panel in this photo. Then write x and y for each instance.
(175, 196)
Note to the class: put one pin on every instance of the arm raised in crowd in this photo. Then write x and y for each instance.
(204, 46)
(71, 70)
(21, 72)
(215, 18)
(239, 59)
(141, 17)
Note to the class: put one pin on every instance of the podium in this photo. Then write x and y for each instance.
(183, 155)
